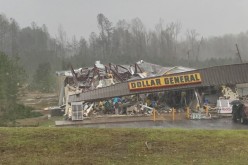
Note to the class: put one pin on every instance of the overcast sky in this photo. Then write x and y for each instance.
(78, 17)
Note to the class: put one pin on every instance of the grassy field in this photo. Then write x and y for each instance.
(85, 146)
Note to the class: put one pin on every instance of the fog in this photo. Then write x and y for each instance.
(59, 33)
(78, 17)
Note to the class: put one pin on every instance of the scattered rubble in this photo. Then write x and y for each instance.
(92, 78)
(98, 76)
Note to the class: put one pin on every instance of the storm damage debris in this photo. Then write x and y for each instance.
(82, 80)
(105, 75)
(140, 75)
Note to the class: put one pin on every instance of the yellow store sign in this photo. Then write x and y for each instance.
(166, 81)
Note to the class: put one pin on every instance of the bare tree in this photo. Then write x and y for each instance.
(138, 32)
(191, 37)
(168, 38)
(61, 41)
(106, 31)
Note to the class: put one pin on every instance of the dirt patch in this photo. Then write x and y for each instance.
(37, 100)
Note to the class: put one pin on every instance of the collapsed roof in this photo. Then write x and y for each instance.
(100, 75)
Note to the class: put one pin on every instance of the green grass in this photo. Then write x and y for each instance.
(122, 146)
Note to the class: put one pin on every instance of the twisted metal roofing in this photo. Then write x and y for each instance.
(213, 76)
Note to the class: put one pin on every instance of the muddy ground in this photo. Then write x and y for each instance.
(37, 100)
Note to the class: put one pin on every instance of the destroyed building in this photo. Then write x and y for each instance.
(140, 87)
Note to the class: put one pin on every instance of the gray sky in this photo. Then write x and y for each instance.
(207, 17)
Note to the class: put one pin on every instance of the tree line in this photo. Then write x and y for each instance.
(123, 43)
(11, 77)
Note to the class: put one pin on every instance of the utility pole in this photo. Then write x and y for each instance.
(238, 53)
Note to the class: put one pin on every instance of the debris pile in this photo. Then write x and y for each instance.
(81, 80)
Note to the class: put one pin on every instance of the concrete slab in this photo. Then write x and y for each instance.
(119, 119)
